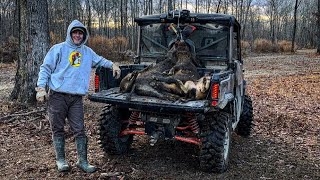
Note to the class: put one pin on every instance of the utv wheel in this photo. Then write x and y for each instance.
(245, 124)
(112, 122)
(216, 141)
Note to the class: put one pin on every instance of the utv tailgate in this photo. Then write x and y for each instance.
(146, 103)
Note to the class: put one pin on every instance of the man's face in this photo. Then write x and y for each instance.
(77, 37)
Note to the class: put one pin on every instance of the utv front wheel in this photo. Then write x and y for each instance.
(216, 141)
(112, 122)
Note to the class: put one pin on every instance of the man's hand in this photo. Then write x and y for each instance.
(116, 70)
(41, 94)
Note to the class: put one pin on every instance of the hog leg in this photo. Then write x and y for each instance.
(171, 97)
(128, 81)
(128, 98)
(146, 90)
(171, 85)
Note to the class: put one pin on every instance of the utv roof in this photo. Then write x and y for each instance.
(185, 16)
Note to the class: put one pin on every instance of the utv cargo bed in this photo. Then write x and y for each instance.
(147, 103)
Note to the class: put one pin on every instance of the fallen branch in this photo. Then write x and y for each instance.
(33, 119)
(21, 114)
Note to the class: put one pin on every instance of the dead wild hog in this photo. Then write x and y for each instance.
(127, 82)
(184, 69)
(152, 81)
(146, 82)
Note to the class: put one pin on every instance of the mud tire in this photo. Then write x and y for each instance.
(111, 123)
(245, 125)
(216, 141)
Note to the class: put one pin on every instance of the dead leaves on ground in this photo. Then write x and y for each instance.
(287, 109)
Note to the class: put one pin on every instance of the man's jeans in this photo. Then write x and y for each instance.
(62, 106)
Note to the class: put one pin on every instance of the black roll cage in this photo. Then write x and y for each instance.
(184, 16)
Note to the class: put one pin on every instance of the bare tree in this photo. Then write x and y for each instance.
(34, 43)
(218, 6)
(273, 20)
(112, 18)
(245, 19)
(88, 8)
(7, 19)
(170, 7)
(124, 17)
(318, 22)
(295, 25)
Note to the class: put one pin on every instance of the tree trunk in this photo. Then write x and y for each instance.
(218, 6)
(15, 31)
(125, 32)
(150, 7)
(121, 18)
(34, 44)
(318, 22)
(244, 24)
(160, 6)
(294, 26)
(196, 6)
(170, 8)
(88, 8)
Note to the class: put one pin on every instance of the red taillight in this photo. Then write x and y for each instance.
(96, 83)
(215, 94)
(215, 91)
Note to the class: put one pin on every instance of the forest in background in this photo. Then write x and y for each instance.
(29, 28)
(268, 23)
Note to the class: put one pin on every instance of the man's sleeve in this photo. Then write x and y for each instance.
(100, 61)
(48, 66)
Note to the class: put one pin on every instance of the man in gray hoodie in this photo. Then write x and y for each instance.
(66, 71)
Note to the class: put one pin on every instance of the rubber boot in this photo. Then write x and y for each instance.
(82, 163)
(58, 143)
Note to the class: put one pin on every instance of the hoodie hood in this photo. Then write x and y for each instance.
(74, 24)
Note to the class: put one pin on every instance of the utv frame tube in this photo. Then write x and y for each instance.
(230, 41)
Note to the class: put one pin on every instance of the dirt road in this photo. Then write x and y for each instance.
(285, 143)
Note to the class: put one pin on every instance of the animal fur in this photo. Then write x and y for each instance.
(166, 79)
(128, 81)
(147, 83)
(184, 69)
(197, 89)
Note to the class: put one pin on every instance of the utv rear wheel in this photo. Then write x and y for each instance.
(245, 124)
(216, 141)
(112, 122)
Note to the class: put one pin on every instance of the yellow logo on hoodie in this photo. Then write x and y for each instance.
(75, 59)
